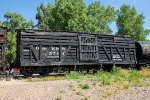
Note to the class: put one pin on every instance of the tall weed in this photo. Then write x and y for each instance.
(74, 75)
(145, 72)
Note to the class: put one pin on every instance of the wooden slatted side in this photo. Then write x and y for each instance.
(3, 32)
(3, 35)
(47, 48)
(51, 38)
(2, 53)
(38, 48)
(116, 50)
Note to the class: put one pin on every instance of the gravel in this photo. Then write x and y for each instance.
(134, 93)
(65, 90)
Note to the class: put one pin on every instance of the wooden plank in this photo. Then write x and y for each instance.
(50, 33)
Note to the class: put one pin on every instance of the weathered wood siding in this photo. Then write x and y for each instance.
(3, 32)
(47, 48)
(39, 48)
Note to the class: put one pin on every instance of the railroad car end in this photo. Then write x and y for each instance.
(143, 53)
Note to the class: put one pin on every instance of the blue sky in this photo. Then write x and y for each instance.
(27, 8)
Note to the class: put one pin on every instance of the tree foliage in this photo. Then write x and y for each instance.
(99, 18)
(130, 23)
(14, 21)
(1, 23)
(71, 15)
(44, 16)
(11, 46)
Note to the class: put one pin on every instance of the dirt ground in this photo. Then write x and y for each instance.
(68, 90)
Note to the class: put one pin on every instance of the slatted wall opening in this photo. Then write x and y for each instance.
(88, 48)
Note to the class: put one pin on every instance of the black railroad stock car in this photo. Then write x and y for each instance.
(3, 38)
(44, 52)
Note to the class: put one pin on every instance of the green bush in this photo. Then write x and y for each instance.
(85, 86)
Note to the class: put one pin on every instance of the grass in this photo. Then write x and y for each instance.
(123, 78)
(86, 97)
(59, 98)
(111, 82)
(74, 75)
(85, 86)
(145, 72)
(108, 91)
(48, 78)
(79, 92)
